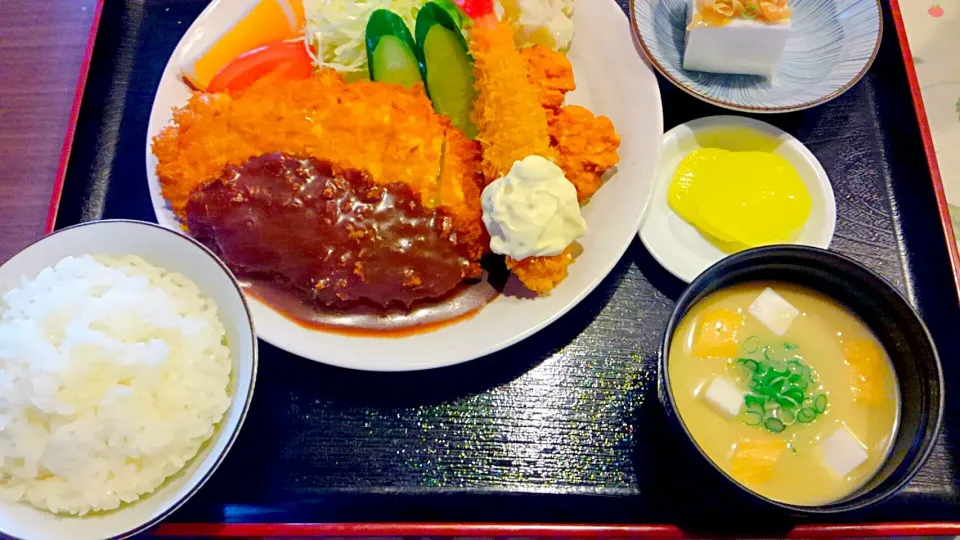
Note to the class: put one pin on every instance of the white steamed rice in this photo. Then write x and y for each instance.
(113, 373)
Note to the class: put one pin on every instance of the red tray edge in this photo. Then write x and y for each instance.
(542, 530)
(280, 530)
(927, 141)
(67, 145)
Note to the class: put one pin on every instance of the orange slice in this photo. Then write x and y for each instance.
(259, 22)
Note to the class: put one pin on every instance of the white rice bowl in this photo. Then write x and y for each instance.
(113, 373)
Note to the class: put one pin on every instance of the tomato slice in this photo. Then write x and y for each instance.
(287, 58)
(476, 9)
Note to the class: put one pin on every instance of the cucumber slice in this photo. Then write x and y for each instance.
(448, 67)
(432, 14)
(391, 52)
(453, 10)
(394, 62)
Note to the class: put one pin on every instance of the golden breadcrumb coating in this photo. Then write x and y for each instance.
(460, 185)
(511, 123)
(391, 132)
(587, 146)
(550, 71)
(542, 274)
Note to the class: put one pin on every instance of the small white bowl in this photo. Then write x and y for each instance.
(165, 248)
(679, 246)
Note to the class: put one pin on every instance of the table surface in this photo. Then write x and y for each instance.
(933, 28)
(42, 45)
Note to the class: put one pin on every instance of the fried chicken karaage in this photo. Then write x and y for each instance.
(586, 147)
(551, 72)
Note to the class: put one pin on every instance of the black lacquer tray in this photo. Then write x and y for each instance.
(564, 427)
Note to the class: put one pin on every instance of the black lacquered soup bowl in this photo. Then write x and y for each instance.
(883, 309)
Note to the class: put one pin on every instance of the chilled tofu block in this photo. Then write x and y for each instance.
(724, 396)
(743, 46)
(773, 311)
(842, 452)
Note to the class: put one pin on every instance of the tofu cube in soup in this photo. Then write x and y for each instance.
(723, 395)
(741, 46)
(842, 452)
(773, 311)
(717, 333)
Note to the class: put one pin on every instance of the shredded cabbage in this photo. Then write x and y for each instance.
(336, 29)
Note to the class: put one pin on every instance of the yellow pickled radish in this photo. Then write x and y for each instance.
(740, 199)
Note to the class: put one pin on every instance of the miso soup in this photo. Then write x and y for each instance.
(785, 390)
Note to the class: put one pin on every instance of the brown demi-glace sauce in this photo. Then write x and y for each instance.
(331, 249)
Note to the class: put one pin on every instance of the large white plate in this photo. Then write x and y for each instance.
(612, 80)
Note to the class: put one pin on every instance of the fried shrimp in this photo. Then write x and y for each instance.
(511, 123)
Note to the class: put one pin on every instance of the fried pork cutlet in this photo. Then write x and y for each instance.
(511, 123)
(551, 72)
(587, 147)
(460, 186)
(391, 133)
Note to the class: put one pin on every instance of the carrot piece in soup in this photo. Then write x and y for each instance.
(716, 335)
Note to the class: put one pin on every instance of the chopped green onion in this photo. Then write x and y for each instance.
(778, 388)
(753, 402)
(751, 364)
(786, 401)
(751, 11)
(806, 415)
(774, 425)
(820, 404)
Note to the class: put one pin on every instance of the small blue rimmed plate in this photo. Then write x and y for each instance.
(831, 45)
